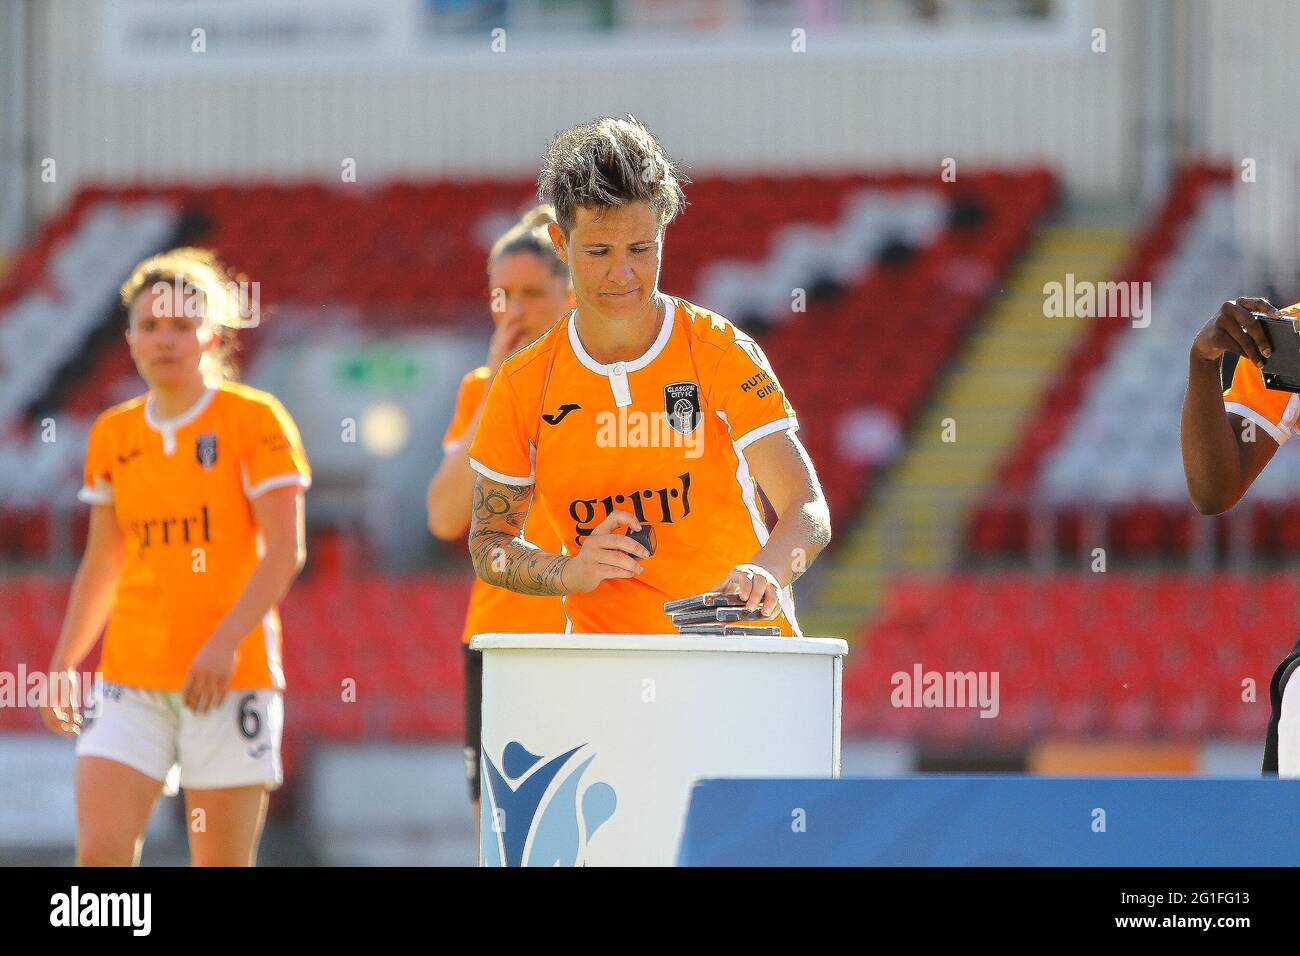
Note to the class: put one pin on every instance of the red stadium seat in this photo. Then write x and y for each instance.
(1127, 656)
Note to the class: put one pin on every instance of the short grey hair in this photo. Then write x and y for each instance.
(609, 162)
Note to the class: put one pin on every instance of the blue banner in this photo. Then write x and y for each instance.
(994, 820)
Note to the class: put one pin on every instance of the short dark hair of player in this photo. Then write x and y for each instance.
(609, 162)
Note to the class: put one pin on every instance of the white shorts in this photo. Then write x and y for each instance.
(234, 745)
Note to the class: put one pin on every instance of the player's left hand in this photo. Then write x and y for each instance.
(757, 585)
(209, 676)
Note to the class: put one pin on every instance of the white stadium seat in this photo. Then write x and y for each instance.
(842, 251)
(39, 333)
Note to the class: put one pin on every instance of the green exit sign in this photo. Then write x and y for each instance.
(380, 368)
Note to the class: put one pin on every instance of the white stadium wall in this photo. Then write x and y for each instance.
(109, 105)
(1248, 102)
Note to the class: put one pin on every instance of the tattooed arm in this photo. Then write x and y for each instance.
(503, 558)
(501, 555)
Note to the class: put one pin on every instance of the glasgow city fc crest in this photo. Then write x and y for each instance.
(682, 405)
(205, 450)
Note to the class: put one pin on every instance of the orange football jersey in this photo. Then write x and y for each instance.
(1273, 410)
(494, 610)
(662, 437)
(182, 490)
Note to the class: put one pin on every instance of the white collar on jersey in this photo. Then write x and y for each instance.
(669, 305)
(169, 426)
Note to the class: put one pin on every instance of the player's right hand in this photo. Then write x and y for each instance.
(507, 339)
(62, 715)
(1236, 328)
(605, 554)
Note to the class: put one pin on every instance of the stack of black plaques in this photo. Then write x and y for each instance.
(716, 612)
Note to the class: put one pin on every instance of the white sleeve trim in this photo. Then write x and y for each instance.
(96, 496)
(487, 472)
(278, 481)
(1278, 434)
(771, 428)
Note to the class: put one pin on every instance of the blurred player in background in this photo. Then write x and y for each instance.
(530, 291)
(197, 530)
(637, 411)
(1228, 437)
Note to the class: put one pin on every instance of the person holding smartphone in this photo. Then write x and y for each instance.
(1228, 437)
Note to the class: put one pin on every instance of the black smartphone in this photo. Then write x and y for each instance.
(1282, 367)
(645, 537)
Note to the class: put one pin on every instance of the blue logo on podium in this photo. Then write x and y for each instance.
(533, 814)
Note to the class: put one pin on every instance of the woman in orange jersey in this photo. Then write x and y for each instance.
(638, 411)
(197, 530)
(530, 291)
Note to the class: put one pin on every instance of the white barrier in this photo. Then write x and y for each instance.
(591, 743)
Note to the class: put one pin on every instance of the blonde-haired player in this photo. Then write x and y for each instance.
(197, 530)
(638, 409)
(530, 291)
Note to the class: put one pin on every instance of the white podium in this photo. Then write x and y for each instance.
(591, 742)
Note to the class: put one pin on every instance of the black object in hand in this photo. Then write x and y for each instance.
(1282, 368)
(645, 537)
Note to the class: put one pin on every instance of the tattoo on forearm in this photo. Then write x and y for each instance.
(500, 555)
